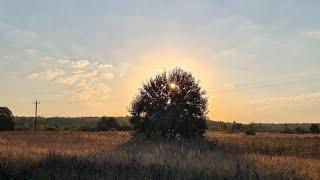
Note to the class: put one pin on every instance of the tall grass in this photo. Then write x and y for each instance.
(92, 155)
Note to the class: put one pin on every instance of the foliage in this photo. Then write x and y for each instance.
(107, 123)
(236, 127)
(250, 131)
(67, 123)
(287, 130)
(300, 130)
(171, 104)
(314, 128)
(6, 120)
(90, 124)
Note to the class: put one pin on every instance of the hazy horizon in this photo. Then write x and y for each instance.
(258, 61)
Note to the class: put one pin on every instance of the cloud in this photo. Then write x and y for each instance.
(30, 51)
(47, 75)
(107, 76)
(86, 80)
(80, 63)
(86, 91)
(313, 34)
(63, 61)
(312, 98)
(76, 77)
(105, 66)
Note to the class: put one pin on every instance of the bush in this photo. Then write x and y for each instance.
(51, 128)
(86, 129)
(287, 130)
(107, 124)
(314, 128)
(300, 130)
(6, 120)
(171, 105)
(236, 127)
(250, 132)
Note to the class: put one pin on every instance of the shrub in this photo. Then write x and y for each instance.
(287, 130)
(107, 123)
(170, 105)
(236, 127)
(85, 128)
(250, 132)
(6, 120)
(314, 128)
(300, 130)
(51, 128)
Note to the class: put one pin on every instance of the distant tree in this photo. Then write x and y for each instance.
(107, 123)
(6, 120)
(170, 105)
(314, 128)
(299, 130)
(287, 130)
(236, 127)
(250, 130)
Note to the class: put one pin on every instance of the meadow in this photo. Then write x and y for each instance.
(110, 155)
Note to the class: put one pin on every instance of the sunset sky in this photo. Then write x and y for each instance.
(259, 61)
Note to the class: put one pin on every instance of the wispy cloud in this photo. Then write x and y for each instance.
(63, 61)
(313, 34)
(312, 98)
(89, 91)
(30, 51)
(87, 80)
(105, 66)
(47, 75)
(80, 63)
(77, 76)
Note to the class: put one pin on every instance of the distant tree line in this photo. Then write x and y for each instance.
(71, 123)
(251, 128)
(8, 122)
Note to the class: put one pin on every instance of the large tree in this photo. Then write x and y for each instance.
(6, 119)
(170, 105)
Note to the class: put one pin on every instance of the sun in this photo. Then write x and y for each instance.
(173, 86)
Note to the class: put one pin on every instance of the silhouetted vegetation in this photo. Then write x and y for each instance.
(108, 123)
(250, 130)
(236, 127)
(300, 130)
(6, 120)
(170, 105)
(90, 124)
(68, 123)
(314, 128)
(287, 130)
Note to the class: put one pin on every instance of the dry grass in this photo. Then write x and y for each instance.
(92, 155)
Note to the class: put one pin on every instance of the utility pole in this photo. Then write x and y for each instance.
(35, 115)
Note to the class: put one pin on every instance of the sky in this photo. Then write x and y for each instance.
(258, 61)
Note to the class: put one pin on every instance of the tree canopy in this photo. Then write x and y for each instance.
(6, 120)
(170, 105)
(314, 128)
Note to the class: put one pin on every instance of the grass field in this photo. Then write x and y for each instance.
(105, 155)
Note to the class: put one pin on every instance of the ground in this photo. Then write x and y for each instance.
(100, 155)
